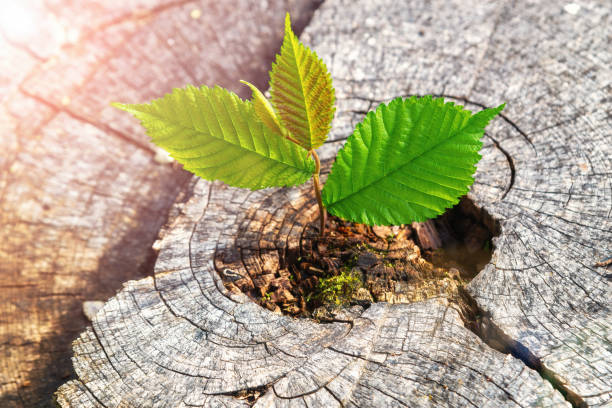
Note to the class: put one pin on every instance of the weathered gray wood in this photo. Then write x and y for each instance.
(82, 197)
(180, 339)
(546, 172)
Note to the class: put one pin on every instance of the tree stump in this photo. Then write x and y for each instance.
(180, 339)
(82, 194)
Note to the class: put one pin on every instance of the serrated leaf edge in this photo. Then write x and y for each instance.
(492, 112)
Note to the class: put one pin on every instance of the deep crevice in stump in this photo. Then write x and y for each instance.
(481, 324)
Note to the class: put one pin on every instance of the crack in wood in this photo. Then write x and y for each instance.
(480, 323)
(528, 294)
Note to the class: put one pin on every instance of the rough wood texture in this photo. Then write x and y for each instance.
(180, 339)
(546, 172)
(82, 197)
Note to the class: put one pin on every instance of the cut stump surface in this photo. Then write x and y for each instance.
(180, 339)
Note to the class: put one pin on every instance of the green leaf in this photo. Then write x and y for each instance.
(264, 110)
(302, 92)
(216, 135)
(407, 161)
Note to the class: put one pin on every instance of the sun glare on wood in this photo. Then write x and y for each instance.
(16, 21)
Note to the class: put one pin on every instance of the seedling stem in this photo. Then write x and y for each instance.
(317, 189)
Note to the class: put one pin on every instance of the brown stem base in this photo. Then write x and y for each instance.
(317, 190)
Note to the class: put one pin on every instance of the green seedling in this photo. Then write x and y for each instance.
(409, 160)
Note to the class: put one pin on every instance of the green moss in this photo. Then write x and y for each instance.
(339, 289)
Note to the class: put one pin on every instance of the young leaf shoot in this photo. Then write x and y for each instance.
(302, 92)
(216, 135)
(408, 160)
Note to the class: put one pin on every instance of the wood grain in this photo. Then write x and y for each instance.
(181, 339)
